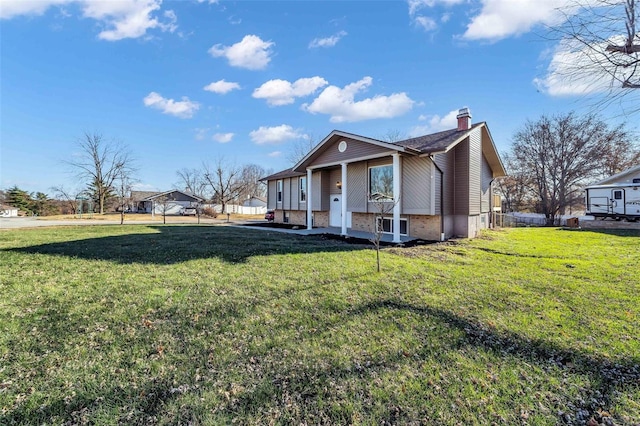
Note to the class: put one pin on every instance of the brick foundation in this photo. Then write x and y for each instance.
(420, 226)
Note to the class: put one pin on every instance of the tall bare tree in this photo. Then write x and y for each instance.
(253, 186)
(100, 163)
(561, 154)
(224, 179)
(601, 43)
(192, 180)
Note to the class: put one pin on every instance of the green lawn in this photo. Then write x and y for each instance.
(217, 325)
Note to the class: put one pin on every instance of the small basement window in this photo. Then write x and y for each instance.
(386, 225)
(285, 217)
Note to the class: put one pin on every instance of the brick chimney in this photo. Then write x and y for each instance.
(464, 119)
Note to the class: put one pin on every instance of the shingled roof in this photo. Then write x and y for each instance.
(435, 142)
(284, 174)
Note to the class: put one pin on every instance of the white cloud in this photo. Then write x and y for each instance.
(275, 135)
(221, 87)
(341, 106)
(223, 137)
(426, 23)
(128, 19)
(499, 19)
(119, 19)
(436, 124)
(251, 53)
(281, 92)
(328, 41)
(12, 8)
(576, 70)
(182, 109)
(275, 154)
(208, 1)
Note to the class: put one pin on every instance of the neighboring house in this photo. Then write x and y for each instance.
(631, 175)
(8, 211)
(255, 202)
(169, 202)
(436, 186)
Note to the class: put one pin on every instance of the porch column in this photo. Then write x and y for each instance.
(396, 198)
(344, 199)
(309, 200)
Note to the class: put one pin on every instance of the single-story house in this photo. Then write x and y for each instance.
(431, 187)
(255, 202)
(631, 175)
(170, 202)
(8, 211)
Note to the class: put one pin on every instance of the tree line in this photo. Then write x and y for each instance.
(107, 172)
(553, 158)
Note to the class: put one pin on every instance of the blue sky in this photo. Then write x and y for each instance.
(182, 82)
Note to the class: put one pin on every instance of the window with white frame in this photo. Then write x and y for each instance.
(303, 189)
(279, 191)
(381, 183)
(385, 224)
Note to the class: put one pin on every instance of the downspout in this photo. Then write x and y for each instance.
(441, 197)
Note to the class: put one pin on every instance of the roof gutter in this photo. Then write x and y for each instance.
(432, 158)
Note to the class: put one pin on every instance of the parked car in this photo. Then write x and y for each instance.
(269, 215)
(189, 211)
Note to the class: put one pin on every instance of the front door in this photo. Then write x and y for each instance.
(335, 210)
(617, 201)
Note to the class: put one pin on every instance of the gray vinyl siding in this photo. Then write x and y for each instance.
(335, 176)
(487, 177)
(295, 193)
(461, 176)
(357, 187)
(416, 185)
(445, 162)
(324, 202)
(316, 192)
(286, 194)
(271, 195)
(355, 149)
(475, 172)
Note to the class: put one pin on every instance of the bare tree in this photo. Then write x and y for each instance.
(253, 186)
(225, 181)
(561, 154)
(600, 43)
(67, 197)
(100, 163)
(515, 188)
(192, 181)
(300, 148)
(382, 206)
(123, 187)
(164, 203)
(393, 135)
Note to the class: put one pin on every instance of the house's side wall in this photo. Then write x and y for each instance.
(445, 162)
(271, 194)
(462, 179)
(357, 187)
(486, 179)
(416, 185)
(475, 171)
(355, 149)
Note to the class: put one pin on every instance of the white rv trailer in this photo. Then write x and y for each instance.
(617, 201)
